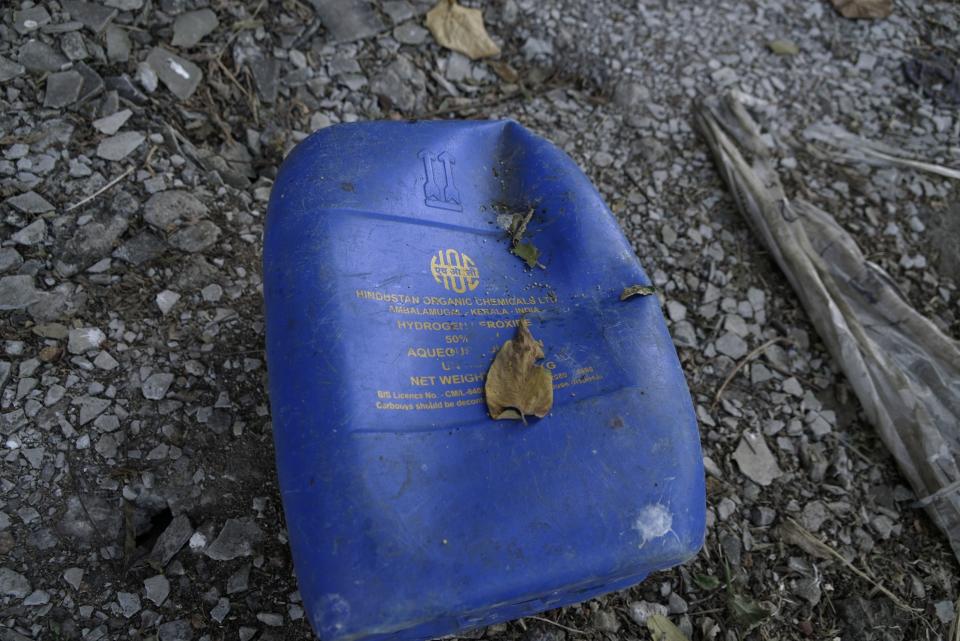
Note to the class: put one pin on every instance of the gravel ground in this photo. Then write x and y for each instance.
(138, 142)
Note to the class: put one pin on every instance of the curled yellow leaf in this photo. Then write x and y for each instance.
(516, 387)
(460, 29)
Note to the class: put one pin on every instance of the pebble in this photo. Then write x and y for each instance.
(266, 72)
(30, 202)
(10, 70)
(166, 300)
(156, 386)
(111, 124)
(129, 603)
(29, 20)
(640, 611)
(179, 75)
(731, 345)
(193, 26)
(63, 88)
(157, 589)
(120, 146)
(236, 539)
(221, 610)
(167, 209)
(195, 238)
(93, 16)
(17, 292)
(179, 630)
(410, 33)
(40, 57)
(13, 584)
(118, 44)
(84, 339)
(755, 459)
(32, 234)
(73, 576)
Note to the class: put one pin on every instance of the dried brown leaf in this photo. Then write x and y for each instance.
(868, 9)
(636, 290)
(460, 29)
(516, 387)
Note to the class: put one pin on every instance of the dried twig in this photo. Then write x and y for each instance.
(100, 191)
(559, 625)
(746, 359)
(825, 550)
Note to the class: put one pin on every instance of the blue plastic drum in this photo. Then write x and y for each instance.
(390, 284)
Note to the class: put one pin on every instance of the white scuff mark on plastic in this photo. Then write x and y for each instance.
(505, 221)
(653, 522)
(178, 69)
(331, 614)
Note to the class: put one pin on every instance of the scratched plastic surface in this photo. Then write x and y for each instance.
(389, 285)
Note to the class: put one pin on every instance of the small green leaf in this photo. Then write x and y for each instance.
(636, 290)
(528, 252)
(783, 47)
(706, 582)
(745, 611)
(661, 629)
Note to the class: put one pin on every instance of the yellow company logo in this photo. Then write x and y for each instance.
(455, 270)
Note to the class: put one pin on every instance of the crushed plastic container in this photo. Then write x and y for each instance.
(389, 286)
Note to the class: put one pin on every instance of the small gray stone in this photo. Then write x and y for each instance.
(792, 386)
(394, 84)
(37, 597)
(10, 259)
(92, 82)
(676, 604)
(63, 88)
(18, 292)
(73, 576)
(166, 300)
(640, 611)
(271, 619)
(40, 57)
(105, 361)
(196, 238)
(676, 310)
(410, 33)
(945, 611)
(173, 538)
(13, 584)
(106, 446)
(10, 69)
(93, 16)
(120, 146)
(180, 76)
(84, 339)
(179, 630)
(398, 10)
(606, 621)
(763, 516)
(221, 610)
(118, 44)
(125, 5)
(111, 124)
(731, 345)
(91, 407)
(459, 67)
(28, 20)
(348, 21)
(236, 539)
(140, 249)
(239, 581)
(30, 202)
(167, 209)
(129, 603)
(211, 293)
(156, 386)
(32, 234)
(73, 46)
(157, 588)
(814, 514)
(191, 27)
(266, 72)
(755, 459)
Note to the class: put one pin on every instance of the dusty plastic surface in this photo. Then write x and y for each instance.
(904, 370)
(389, 285)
